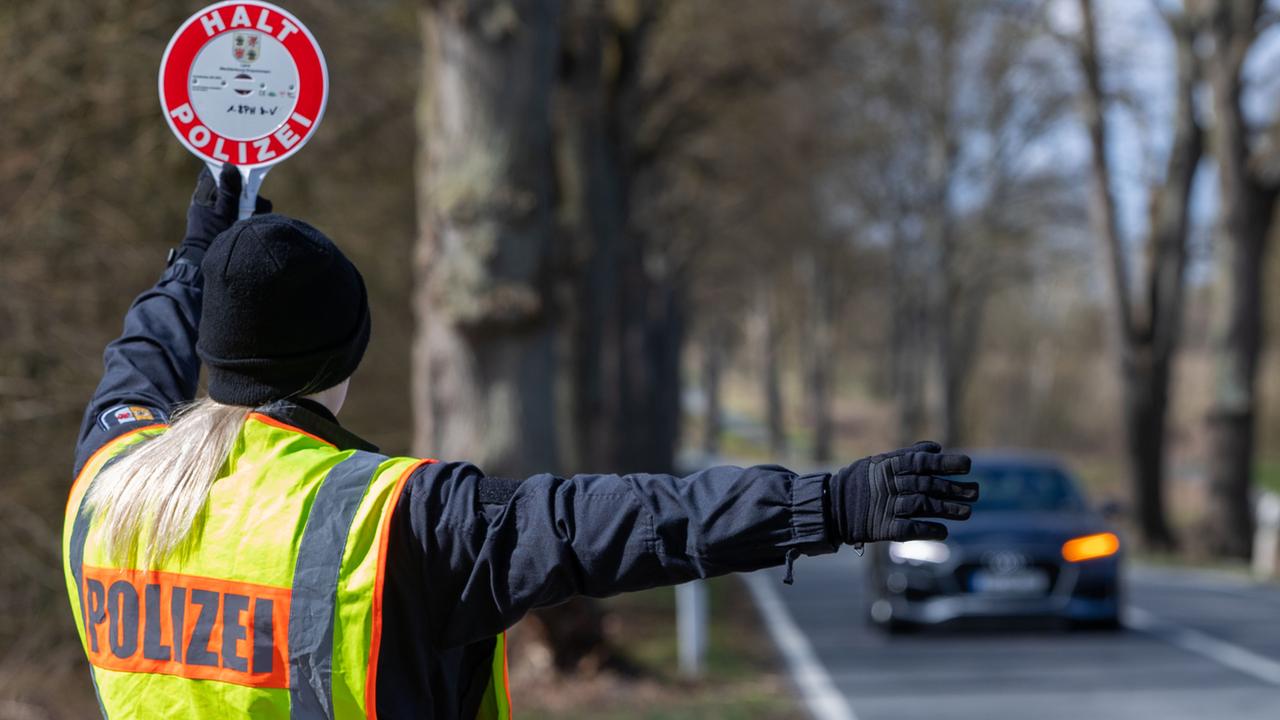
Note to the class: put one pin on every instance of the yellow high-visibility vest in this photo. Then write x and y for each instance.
(273, 610)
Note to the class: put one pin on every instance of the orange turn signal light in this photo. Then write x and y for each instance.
(1090, 547)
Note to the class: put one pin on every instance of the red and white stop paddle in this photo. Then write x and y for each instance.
(244, 83)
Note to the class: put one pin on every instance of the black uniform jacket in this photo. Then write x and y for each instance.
(470, 555)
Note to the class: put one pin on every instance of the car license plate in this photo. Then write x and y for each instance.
(1022, 582)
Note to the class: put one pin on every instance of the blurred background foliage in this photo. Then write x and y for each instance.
(801, 231)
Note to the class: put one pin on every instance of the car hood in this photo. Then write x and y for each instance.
(1024, 526)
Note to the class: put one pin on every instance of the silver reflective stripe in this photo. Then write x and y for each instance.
(315, 585)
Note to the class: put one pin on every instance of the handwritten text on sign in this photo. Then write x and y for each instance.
(243, 83)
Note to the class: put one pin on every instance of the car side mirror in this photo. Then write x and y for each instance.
(1112, 509)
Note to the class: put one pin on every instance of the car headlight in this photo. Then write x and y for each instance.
(919, 551)
(1090, 547)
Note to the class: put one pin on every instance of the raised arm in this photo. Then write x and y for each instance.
(152, 367)
(494, 549)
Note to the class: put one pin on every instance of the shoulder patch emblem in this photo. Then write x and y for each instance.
(125, 414)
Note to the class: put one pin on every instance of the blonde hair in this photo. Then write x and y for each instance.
(149, 498)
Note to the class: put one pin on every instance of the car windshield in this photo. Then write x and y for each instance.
(1036, 489)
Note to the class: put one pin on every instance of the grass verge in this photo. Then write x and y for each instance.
(744, 678)
(1267, 475)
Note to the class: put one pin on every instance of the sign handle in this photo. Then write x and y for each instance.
(250, 183)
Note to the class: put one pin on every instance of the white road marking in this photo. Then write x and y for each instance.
(1220, 651)
(808, 673)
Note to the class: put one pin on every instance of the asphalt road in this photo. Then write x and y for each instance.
(1198, 645)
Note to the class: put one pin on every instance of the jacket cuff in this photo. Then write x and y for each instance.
(809, 532)
(184, 267)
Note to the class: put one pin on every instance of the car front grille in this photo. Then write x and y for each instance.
(964, 573)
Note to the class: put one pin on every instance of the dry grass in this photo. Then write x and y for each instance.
(743, 677)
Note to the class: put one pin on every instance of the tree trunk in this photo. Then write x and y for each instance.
(1236, 344)
(666, 345)
(771, 377)
(1146, 386)
(627, 325)
(946, 316)
(1148, 361)
(1245, 214)
(1146, 333)
(624, 331)
(941, 294)
(713, 361)
(483, 356)
(1238, 337)
(907, 351)
(820, 352)
(593, 214)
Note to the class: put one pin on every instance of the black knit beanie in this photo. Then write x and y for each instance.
(285, 313)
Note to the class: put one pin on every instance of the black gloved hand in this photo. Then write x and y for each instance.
(215, 207)
(876, 498)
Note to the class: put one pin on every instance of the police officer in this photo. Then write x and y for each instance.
(244, 554)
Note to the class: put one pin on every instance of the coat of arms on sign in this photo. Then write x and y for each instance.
(245, 46)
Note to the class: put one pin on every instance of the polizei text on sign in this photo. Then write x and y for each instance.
(243, 82)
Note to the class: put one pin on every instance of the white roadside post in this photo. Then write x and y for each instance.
(691, 627)
(1266, 538)
(244, 83)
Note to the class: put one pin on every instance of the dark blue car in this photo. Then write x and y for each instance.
(1034, 548)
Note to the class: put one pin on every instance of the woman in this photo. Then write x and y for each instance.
(244, 554)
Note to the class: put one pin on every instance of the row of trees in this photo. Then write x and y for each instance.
(801, 168)
(598, 181)
(545, 128)
(1147, 322)
(601, 181)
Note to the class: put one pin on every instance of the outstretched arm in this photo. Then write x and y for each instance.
(494, 549)
(152, 367)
